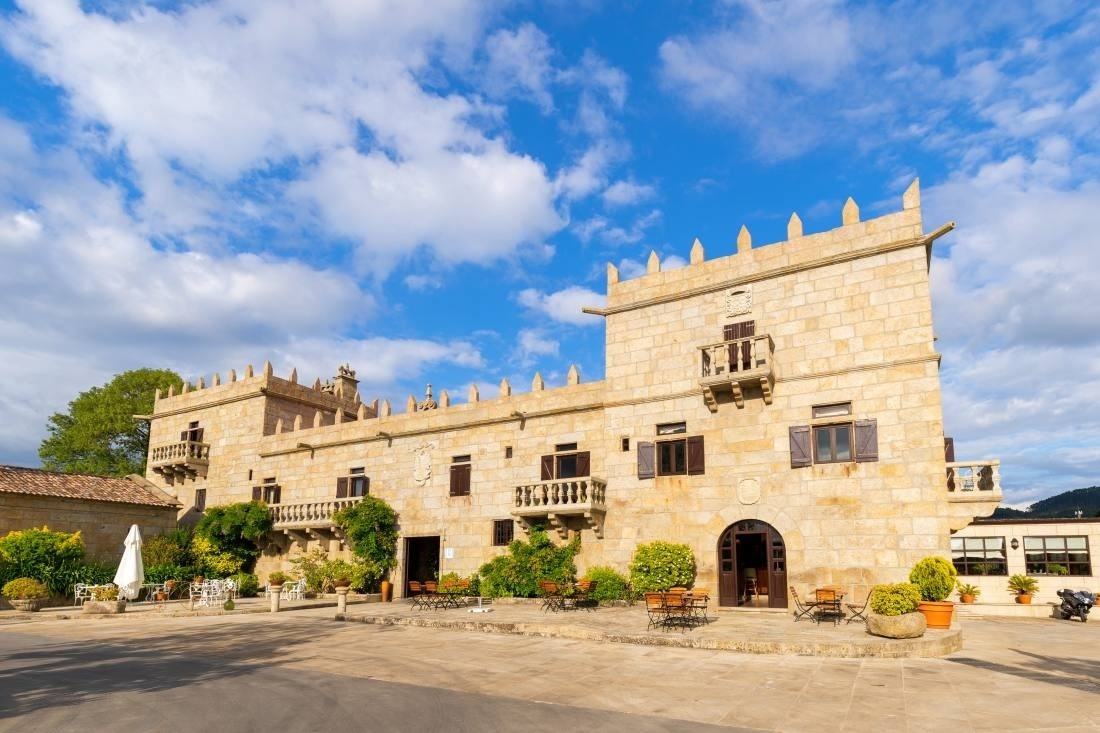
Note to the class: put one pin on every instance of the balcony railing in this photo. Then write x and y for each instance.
(974, 480)
(310, 514)
(731, 366)
(557, 500)
(185, 459)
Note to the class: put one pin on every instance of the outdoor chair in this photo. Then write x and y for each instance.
(432, 597)
(828, 604)
(859, 612)
(803, 609)
(700, 596)
(655, 607)
(677, 609)
(552, 598)
(294, 591)
(582, 592)
(416, 594)
(81, 592)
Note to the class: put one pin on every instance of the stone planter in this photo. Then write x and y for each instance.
(26, 604)
(104, 607)
(905, 626)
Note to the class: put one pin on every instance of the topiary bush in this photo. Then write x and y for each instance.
(935, 576)
(28, 588)
(895, 599)
(658, 566)
(611, 585)
(518, 573)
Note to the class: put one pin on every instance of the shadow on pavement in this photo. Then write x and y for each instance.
(1079, 674)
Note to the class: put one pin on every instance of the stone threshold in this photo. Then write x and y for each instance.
(932, 644)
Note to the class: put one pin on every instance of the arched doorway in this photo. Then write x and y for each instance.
(752, 565)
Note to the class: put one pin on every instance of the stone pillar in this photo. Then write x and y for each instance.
(341, 600)
(274, 594)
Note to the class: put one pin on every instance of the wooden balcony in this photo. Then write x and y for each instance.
(974, 481)
(186, 459)
(559, 501)
(734, 366)
(304, 521)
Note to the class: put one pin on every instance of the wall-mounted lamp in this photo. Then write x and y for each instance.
(1015, 544)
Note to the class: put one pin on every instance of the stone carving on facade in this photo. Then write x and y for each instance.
(422, 463)
(738, 302)
(748, 491)
(427, 403)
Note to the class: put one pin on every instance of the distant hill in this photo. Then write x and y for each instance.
(1065, 504)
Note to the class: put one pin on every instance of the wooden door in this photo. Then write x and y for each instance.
(727, 569)
(777, 570)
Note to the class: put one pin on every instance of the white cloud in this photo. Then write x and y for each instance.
(626, 193)
(534, 343)
(564, 305)
(613, 234)
(423, 282)
(519, 64)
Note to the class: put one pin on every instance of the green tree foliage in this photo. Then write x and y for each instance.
(518, 573)
(54, 558)
(370, 526)
(233, 530)
(658, 566)
(99, 435)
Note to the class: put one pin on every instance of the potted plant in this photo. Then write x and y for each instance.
(105, 600)
(893, 611)
(1023, 586)
(968, 593)
(25, 594)
(935, 577)
(277, 579)
(1056, 569)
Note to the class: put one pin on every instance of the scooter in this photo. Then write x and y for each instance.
(1075, 603)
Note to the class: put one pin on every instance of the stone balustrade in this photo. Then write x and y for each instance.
(185, 459)
(310, 514)
(558, 500)
(733, 365)
(977, 480)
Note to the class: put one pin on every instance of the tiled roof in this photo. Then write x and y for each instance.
(17, 480)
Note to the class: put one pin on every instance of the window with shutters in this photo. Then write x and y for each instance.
(565, 462)
(504, 531)
(269, 491)
(355, 484)
(831, 439)
(200, 500)
(460, 476)
(674, 456)
(193, 433)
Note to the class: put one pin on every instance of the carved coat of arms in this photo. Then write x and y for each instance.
(422, 463)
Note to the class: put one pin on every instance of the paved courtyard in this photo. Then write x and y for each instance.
(302, 670)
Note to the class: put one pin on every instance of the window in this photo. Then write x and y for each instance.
(507, 451)
(356, 483)
(193, 433)
(1043, 554)
(270, 492)
(830, 440)
(626, 445)
(504, 531)
(979, 555)
(200, 500)
(460, 476)
(673, 457)
(565, 465)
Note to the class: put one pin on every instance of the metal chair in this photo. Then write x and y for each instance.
(828, 604)
(552, 598)
(859, 612)
(803, 609)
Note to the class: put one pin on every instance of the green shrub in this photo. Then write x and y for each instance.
(935, 576)
(248, 585)
(162, 573)
(1056, 569)
(277, 578)
(105, 593)
(658, 566)
(321, 573)
(234, 530)
(212, 562)
(24, 588)
(370, 527)
(1023, 585)
(518, 573)
(54, 558)
(895, 599)
(611, 585)
(968, 589)
(166, 549)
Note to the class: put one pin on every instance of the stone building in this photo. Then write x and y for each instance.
(101, 508)
(777, 409)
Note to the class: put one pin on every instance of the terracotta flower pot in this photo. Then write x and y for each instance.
(1023, 598)
(937, 613)
(966, 598)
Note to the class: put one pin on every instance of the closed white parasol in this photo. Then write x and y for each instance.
(131, 571)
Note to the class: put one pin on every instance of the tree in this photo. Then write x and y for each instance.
(99, 435)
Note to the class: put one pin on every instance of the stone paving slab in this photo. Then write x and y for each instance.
(747, 632)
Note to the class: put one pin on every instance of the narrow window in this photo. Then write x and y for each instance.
(507, 451)
(269, 492)
(625, 444)
(460, 476)
(504, 531)
(358, 482)
(200, 500)
(193, 433)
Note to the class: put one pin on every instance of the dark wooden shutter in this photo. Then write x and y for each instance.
(460, 479)
(546, 468)
(278, 495)
(584, 463)
(183, 435)
(645, 460)
(866, 440)
(695, 455)
(342, 488)
(949, 450)
(366, 485)
(800, 446)
(257, 493)
(198, 435)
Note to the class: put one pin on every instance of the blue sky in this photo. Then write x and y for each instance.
(431, 190)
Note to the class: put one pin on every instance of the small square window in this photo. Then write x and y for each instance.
(504, 531)
(833, 443)
(838, 409)
(672, 428)
(461, 459)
